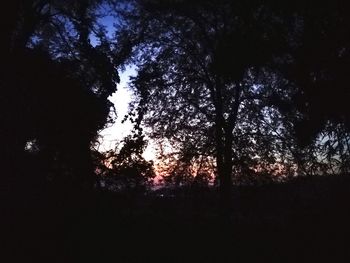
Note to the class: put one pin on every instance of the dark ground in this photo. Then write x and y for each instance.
(306, 220)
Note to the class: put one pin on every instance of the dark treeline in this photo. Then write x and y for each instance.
(246, 101)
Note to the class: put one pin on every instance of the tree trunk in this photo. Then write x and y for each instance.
(227, 172)
(222, 172)
(223, 155)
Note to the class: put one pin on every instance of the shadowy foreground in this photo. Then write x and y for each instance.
(306, 220)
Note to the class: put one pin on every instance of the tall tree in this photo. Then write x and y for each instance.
(316, 68)
(198, 76)
(55, 85)
(234, 79)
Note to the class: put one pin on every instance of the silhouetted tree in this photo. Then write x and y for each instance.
(184, 166)
(237, 80)
(55, 83)
(315, 66)
(198, 79)
(125, 169)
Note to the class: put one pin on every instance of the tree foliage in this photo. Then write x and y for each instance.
(55, 83)
(247, 83)
(125, 169)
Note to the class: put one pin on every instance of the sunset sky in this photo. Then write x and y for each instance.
(116, 132)
(111, 136)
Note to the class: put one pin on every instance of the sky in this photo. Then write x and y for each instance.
(111, 136)
(121, 99)
(114, 134)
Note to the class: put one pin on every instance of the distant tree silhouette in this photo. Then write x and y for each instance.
(184, 167)
(125, 170)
